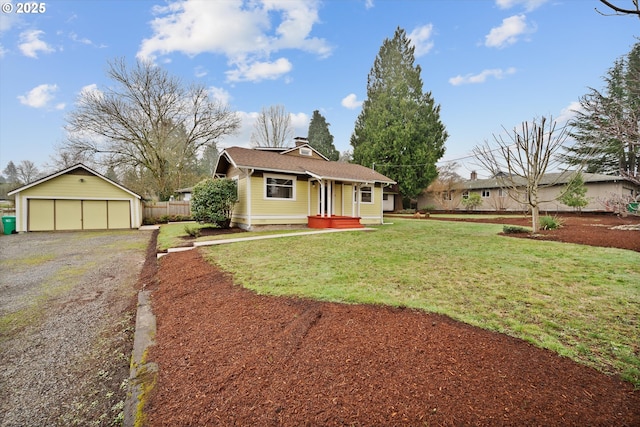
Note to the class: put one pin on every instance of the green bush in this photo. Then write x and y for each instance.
(192, 230)
(165, 219)
(550, 223)
(472, 201)
(213, 200)
(514, 229)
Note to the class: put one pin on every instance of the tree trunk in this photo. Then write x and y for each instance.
(535, 218)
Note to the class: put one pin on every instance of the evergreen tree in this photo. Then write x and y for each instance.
(11, 172)
(320, 138)
(607, 127)
(574, 192)
(208, 161)
(399, 131)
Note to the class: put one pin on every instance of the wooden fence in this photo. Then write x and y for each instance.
(160, 209)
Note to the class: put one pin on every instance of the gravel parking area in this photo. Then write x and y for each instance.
(67, 307)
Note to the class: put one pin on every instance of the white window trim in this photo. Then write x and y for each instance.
(485, 194)
(293, 178)
(373, 188)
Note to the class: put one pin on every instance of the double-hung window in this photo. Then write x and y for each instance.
(280, 187)
(366, 194)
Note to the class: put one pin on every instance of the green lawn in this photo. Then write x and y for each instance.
(171, 235)
(582, 302)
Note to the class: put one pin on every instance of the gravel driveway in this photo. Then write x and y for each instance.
(67, 304)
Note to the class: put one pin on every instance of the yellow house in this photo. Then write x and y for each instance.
(76, 198)
(300, 186)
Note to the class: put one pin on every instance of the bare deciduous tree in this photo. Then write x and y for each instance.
(148, 121)
(521, 162)
(446, 187)
(623, 10)
(27, 171)
(272, 128)
(64, 158)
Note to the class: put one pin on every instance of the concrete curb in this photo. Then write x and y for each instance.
(143, 374)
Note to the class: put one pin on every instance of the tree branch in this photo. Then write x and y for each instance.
(620, 10)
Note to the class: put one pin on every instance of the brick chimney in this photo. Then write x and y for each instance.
(474, 175)
(299, 140)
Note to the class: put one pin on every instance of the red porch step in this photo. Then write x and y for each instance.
(334, 221)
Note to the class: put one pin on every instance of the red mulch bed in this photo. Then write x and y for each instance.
(227, 356)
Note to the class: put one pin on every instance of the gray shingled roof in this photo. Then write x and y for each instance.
(554, 178)
(283, 163)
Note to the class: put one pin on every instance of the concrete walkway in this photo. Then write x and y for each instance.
(267, 236)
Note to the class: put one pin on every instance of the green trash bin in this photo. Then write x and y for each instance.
(633, 207)
(9, 224)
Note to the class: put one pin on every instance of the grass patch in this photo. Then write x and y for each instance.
(579, 301)
(31, 261)
(59, 284)
(172, 235)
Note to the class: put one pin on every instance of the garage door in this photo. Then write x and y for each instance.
(59, 214)
(41, 215)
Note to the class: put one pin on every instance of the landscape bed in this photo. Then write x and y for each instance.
(229, 355)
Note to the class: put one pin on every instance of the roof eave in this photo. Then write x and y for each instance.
(70, 168)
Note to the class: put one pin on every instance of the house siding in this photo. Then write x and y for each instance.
(311, 174)
(265, 211)
(371, 213)
(597, 192)
(69, 185)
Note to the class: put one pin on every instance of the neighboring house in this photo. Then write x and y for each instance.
(300, 186)
(184, 194)
(388, 197)
(600, 190)
(76, 198)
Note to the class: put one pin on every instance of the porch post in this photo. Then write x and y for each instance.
(321, 207)
(329, 197)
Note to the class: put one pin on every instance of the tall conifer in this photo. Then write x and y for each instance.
(399, 131)
(320, 138)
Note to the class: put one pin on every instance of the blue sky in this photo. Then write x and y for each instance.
(488, 63)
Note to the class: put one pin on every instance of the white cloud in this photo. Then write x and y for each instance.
(529, 5)
(300, 123)
(39, 96)
(82, 40)
(8, 20)
(257, 71)
(368, 4)
(220, 95)
(568, 113)
(496, 73)
(200, 71)
(508, 32)
(351, 102)
(31, 44)
(245, 32)
(3, 51)
(420, 39)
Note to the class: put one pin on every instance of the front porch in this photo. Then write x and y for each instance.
(333, 221)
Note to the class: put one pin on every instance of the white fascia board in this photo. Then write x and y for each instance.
(359, 181)
(62, 172)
